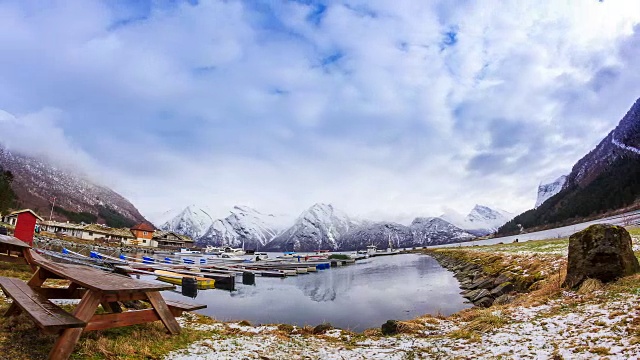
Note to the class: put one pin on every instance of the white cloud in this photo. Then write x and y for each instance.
(374, 107)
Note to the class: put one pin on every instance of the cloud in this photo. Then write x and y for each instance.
(387, 110)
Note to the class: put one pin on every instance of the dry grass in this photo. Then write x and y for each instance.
(20, 339)
(589, 286)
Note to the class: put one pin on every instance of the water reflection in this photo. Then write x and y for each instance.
(354, 297)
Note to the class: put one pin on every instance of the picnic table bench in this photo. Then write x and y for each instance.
(94, 287)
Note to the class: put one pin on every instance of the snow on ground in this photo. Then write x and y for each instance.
(575, 329)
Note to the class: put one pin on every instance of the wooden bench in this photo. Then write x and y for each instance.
(49, 317)
(178, 307)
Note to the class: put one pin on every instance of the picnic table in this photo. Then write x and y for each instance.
(14, 250)
(94, 287)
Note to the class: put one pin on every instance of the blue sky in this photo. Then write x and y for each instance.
(389, 110)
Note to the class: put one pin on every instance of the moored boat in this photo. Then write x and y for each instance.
(176, 278)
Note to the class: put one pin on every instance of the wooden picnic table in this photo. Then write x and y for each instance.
(14, 250)
(94, 287)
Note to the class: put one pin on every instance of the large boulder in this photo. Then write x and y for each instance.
(602, 252)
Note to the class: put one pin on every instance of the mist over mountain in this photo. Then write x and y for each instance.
(36, 182)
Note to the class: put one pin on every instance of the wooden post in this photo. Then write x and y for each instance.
(169, 321)
(69, 337)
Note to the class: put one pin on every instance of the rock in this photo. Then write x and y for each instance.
(479, 295)
(502, 289)
(502, 278)
(390, 327)
(484, 302)
(482, 283)
(503, 299)
(322, 328)
(602, 252)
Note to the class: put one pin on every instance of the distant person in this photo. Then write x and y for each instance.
(516, 240)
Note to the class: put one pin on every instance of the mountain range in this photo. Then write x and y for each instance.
(36, 182)
(604, 180)
(322, 226)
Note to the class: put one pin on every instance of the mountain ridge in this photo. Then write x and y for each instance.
(36, 181)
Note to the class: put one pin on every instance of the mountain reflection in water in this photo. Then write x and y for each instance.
(353, 297)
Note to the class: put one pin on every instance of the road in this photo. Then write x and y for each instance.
(630, 218)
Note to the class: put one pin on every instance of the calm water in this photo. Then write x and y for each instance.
(356, 297)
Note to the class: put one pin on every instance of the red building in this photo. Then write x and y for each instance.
(143, 233)
(25, 223)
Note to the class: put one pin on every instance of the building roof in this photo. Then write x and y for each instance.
(25, 210)
(63, 225)
(159, 235)
(101, 229)
(144, 226)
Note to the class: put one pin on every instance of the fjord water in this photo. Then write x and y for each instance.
(353, 297)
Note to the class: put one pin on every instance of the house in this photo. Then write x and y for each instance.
(103, 232)
(143, 234)
(170, 240)
(68, 229)
(25, 223)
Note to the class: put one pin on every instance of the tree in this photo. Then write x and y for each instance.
(7, 196)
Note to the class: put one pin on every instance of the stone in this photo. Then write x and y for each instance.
(484, 302)
(503, 299)
(501, 289)
(482, 283)
(479, 295)
(390, 327)
(602, 252)
(502, 278)
(322, 328)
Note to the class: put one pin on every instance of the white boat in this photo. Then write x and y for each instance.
(234, 251)
(184, 251)
(261, 255)
(213, 250)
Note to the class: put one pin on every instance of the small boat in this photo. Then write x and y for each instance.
(234, 251)
(213, 250)
(176, 278)
(184, 251)
(261, 255)
(287, 255)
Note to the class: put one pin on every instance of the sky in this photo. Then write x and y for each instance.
(386, 109)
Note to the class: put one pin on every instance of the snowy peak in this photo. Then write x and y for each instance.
(622, 141)
(482, 220)
(436, 231)
(318, 227)
(246, 227)
(193, 221)
(545, 191)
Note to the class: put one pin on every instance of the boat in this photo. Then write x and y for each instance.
(213, 250)
(234, 251)
(176, 278)
(287, 255)
(184, 251)
(261, 255)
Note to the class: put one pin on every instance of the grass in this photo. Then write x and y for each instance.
(20, 338)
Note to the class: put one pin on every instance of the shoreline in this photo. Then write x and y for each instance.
(541, 320)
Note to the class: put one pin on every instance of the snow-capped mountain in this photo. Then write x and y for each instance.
(436, 231)
(244, 226)
(545, 191)
(482, 220)
(36, 182)
(624, 140)
(318, 227)
(382, 235)
(193, 221)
